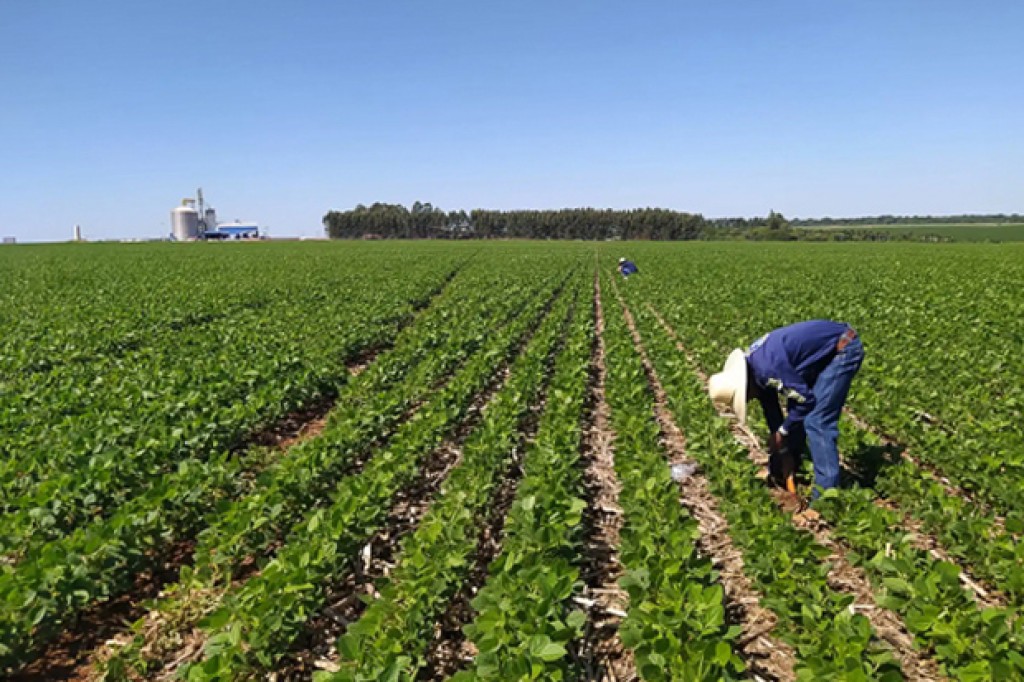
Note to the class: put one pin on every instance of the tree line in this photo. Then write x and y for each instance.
(426, 221)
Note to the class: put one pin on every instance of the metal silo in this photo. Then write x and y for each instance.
(210, 218)
(184, 223)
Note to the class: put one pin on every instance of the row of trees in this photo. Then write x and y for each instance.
(424, 221)
(393, 221)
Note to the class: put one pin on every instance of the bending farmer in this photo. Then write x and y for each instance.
(627, 268)
(810, 364)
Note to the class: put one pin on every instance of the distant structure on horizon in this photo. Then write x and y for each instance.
(193, 221)
(185, 222)
(9, 240)
(77, 235)
(235, 230)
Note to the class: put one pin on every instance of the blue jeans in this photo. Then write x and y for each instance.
(821, 427)
(822, 424)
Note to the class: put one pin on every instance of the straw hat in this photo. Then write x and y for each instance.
(622, 260)
(728, 388)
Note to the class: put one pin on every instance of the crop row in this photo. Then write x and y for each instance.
(96, 561)
(259, 620)
(190, 404)
(108, 306)
(97, 304)
(390, 639)
(676, 624)
(993, 552)
(373, 404)
(971, 643)
(395, 384)
(989, 466)
(142, 373)
(524, 620)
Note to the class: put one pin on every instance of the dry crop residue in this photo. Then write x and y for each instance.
(379, 556)
(601, 653)
(70, 657)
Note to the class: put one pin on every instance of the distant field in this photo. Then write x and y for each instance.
(961, 232)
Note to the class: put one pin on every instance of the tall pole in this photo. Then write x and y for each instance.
(202, 213)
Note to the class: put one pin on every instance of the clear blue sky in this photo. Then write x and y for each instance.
(110, 112)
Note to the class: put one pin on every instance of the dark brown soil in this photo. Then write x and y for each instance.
(449, 650)
(68, 656)
(358, 364)
(315, 650)
(297, 426)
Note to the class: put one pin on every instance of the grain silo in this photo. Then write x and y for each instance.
(185, 222)
(210, 218)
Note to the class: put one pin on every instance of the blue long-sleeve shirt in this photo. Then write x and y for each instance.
(628, 268)
(787, 362)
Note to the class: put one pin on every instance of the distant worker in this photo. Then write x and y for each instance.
(811, 364)
(627, 268)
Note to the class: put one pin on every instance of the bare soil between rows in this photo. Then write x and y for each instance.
(68, 656)
(601, 655)
(72, 655)
(449, 650)
(315, 650)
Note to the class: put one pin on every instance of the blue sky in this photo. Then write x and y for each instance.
(110, 112)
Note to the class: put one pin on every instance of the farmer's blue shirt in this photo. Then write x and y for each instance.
(629, 268)
(788, 361)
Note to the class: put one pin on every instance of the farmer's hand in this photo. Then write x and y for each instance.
(776, 442)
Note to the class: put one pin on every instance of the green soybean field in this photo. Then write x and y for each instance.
(432, 460)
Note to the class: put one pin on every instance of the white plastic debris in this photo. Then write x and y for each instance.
(681, 472)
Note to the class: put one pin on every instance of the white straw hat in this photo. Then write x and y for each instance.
(622, 260)
(728, 388)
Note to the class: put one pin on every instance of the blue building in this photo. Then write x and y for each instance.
(235, 230)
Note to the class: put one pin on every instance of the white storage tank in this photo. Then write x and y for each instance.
(184, 223)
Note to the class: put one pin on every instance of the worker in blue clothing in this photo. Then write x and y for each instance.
(811, 365)
(627, 268)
